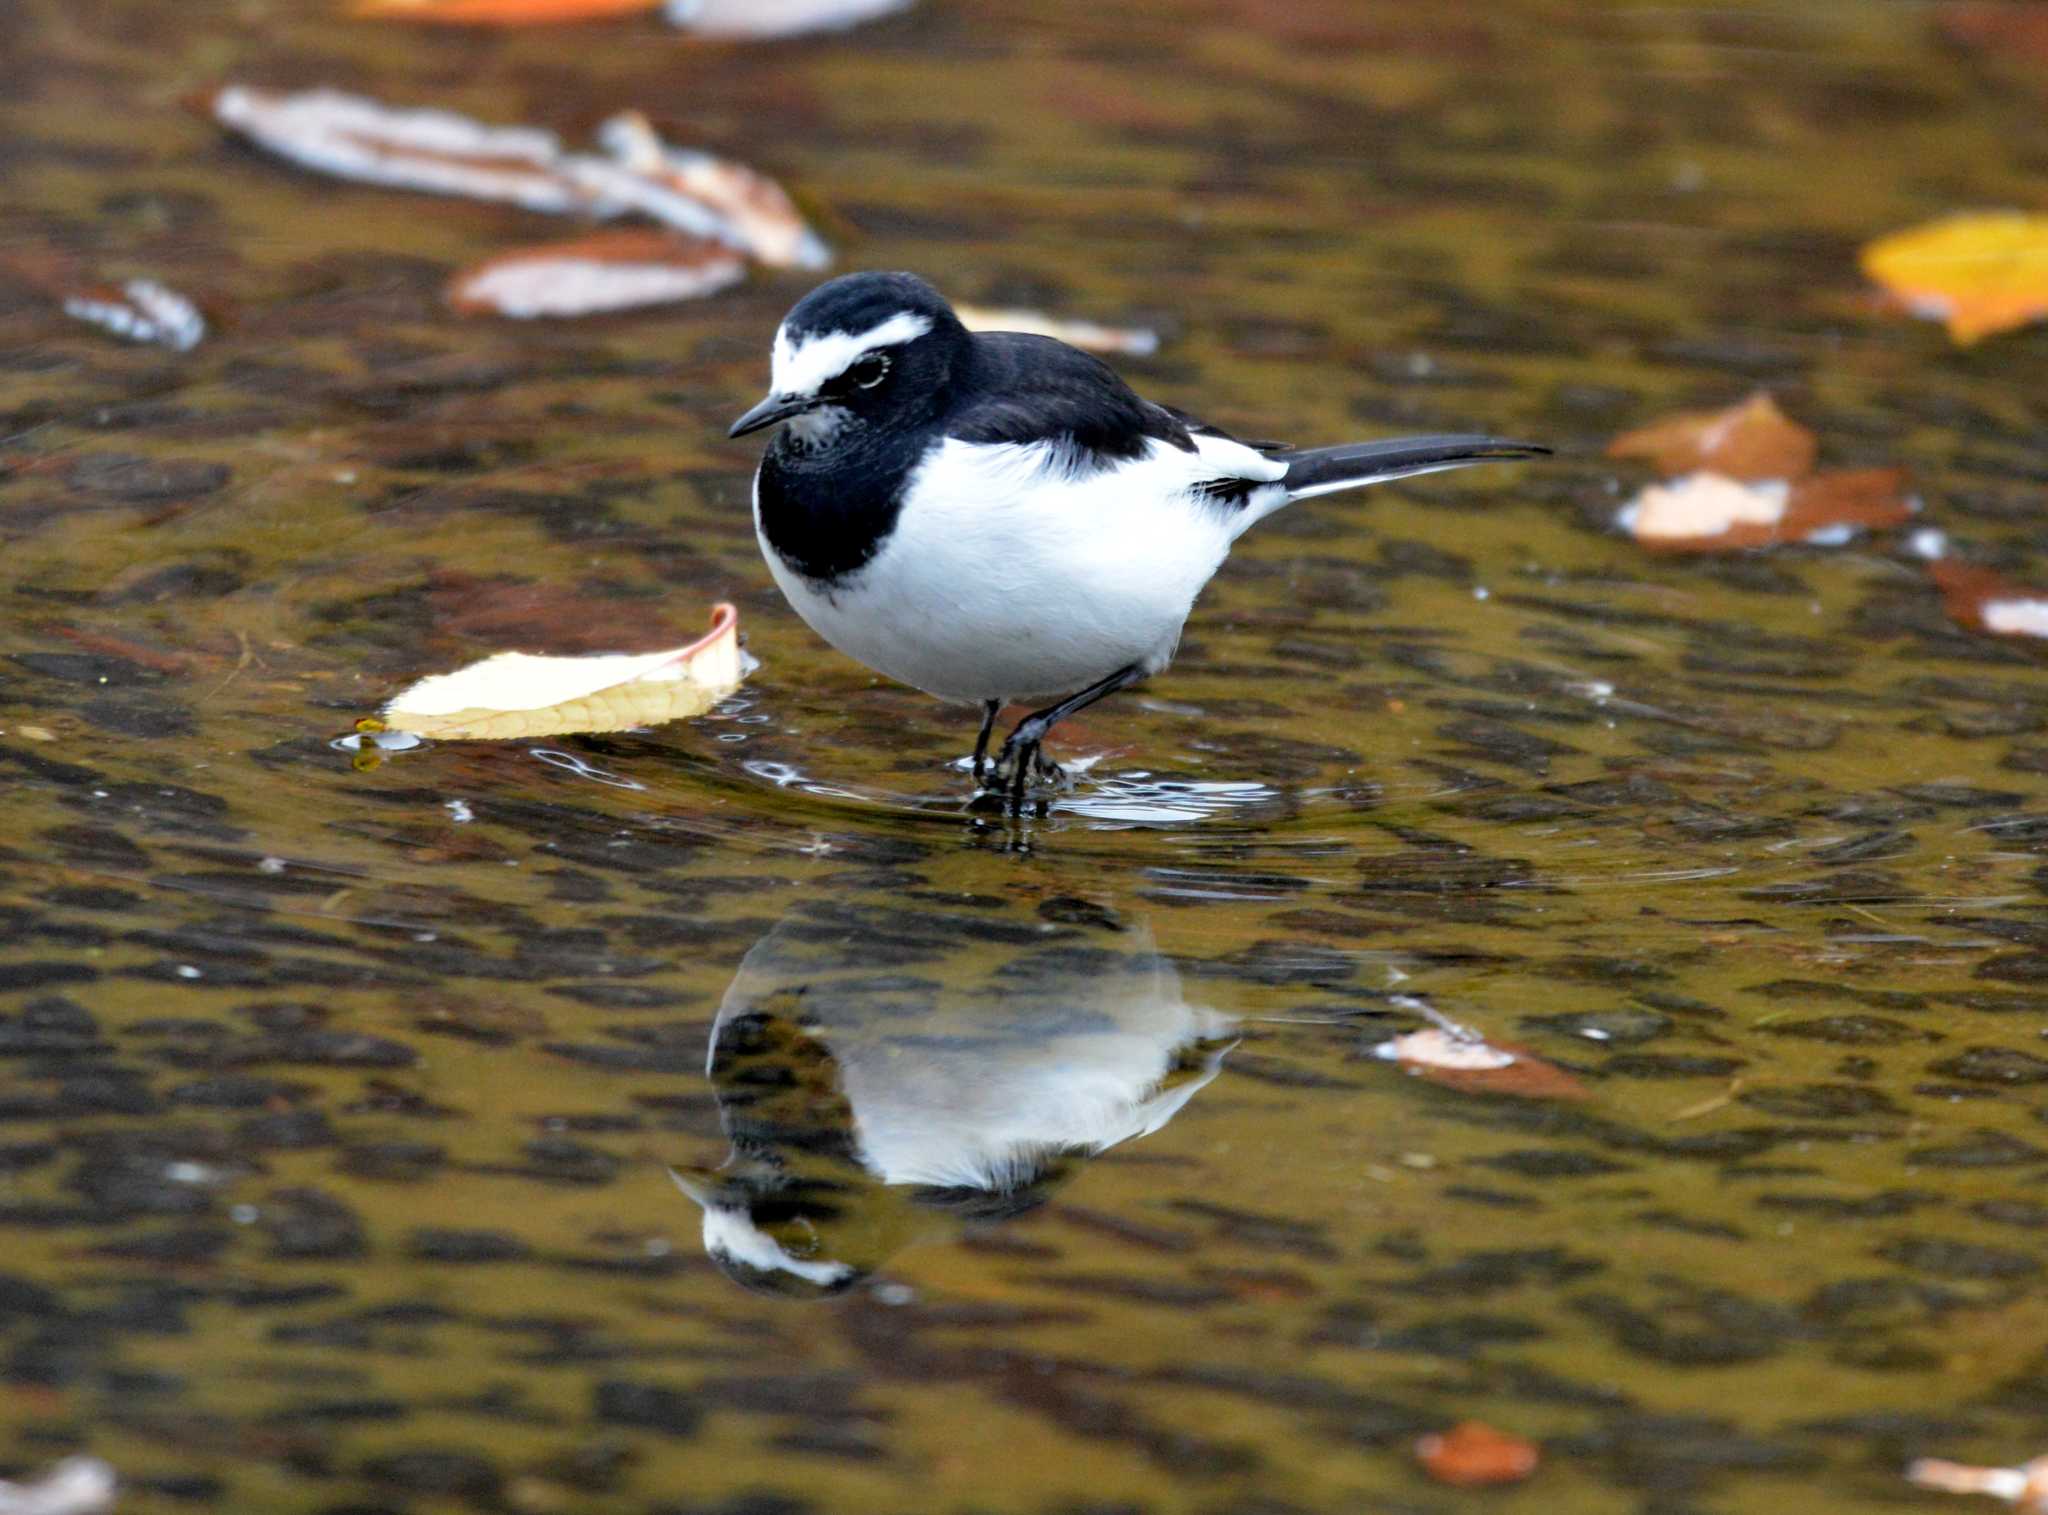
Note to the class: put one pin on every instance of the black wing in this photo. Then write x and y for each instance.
(1202, 428)
(1035, 389)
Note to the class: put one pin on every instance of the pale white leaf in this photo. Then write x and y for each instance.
(517, 694)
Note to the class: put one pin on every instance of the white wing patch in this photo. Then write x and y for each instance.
(732, 1233)
(801, 368)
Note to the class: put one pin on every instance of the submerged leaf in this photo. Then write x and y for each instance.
(2025, 1485)
(141, 310)
(1473, 1454)
(1702, 507)
(440, 152)
(1980, 274)
(1138, 341)
(1752, 442)
(1982, 599)
(612, 271)
(1705, 512)
(767, 220)
(1742, 477)
(435, 151)
(517, 694)
(500, 12)
(1460, 1058)
(775, 18)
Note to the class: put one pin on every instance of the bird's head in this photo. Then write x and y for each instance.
(867, 349)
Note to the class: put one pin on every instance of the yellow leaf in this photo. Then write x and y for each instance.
(1980, 274)
(515, 694)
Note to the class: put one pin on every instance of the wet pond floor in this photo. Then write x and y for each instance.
(357, 1146)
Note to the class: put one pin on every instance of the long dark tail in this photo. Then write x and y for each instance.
(1325, 470)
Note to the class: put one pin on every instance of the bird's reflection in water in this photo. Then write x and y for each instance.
(886, 1076)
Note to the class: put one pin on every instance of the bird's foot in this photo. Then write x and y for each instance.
(1022, 759)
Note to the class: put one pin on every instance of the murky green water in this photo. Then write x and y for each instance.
(340, 1106)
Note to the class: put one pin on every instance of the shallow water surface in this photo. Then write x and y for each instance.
(701, 1120)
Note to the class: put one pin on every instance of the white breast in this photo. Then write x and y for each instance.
(1011, 577)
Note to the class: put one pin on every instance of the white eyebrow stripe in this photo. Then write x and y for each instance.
(801, 368)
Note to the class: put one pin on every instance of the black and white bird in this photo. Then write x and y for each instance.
(994, 517)
(869, 1108)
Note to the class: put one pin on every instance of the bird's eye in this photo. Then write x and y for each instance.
(869, 371)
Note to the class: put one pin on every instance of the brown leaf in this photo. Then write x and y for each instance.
(619, 270)
(1983, 600)
(1466, 1062)
(1705, 512)
(1473, 1454)
(1752, 442)
(516, 695)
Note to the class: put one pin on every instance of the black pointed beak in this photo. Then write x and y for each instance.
(769, 411)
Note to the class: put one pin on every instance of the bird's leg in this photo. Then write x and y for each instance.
(1024, 742)
(989, 710)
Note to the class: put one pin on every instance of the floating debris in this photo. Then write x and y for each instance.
(1754, 441)
(440, 152)
(1707, 512)
(2025, 1485)
(1977, 274)
(1458, 1057)
(434, 151)
(769, 224)
(775, 18)
(75, 1486)
(612, 271)
(1979, 598)
(141, 310)
(1473, 1455)
(1742, 478)
(1702, 507)
(500, 12)
(517, 694)
(1136, 341)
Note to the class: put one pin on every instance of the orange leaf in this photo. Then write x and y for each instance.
(611, 271)
(499, 12)
(1473, 1454)
(1864, 498)
(1752, 441)
(1986, 601)
(1980, 274)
